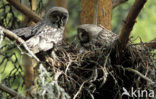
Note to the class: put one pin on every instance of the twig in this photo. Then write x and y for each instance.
(78, 92)
(69, 64)
(11, 92)
(118, 2)
(26, 11)
(152, 44)
(141, 75)
(129, 22)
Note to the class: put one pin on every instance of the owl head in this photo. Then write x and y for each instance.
(87, 34)
(57, 16)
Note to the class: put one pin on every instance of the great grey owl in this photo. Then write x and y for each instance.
(90, 34)
(47, 33)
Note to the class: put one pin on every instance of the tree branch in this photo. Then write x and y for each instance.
(29, 62)
(118, 2)
(11, 92)
(129, 22)
(152, 44)
(26, 11)
(13, 36)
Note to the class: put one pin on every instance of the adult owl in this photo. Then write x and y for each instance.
(47, 33)
(90, 34)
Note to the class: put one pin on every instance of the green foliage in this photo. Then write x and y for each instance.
(146, 22)
(10, 18)
(145, 26)
(11, 71)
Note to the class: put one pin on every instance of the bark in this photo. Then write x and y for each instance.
(97, 12)
(61, 3)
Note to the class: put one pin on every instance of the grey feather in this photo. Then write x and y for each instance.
(47, 33)
(25, 33)
(92, 35)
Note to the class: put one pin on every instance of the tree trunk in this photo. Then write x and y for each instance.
(61, 3)
(97, 12)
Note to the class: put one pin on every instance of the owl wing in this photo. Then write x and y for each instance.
(45, 37)
(32, 43)
(106, 36)
(39, 43)
(25, 33)
(39, 28)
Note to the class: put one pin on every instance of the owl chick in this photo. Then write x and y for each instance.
(90, 34)
(47, 33)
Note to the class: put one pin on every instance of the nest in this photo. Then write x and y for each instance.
(101, 72)
(74, 72)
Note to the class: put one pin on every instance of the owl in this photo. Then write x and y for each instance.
(47, 33)
(90, 34)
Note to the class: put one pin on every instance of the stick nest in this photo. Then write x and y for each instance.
(102, 72)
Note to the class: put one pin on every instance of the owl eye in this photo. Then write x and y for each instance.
(54, 16)
(64, 17)
(84, 37)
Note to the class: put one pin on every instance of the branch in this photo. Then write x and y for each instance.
(26, 11)
(130, 21)
(29, 64)
(13, 36)
(141, 75)
(118, 2)
(152, 44)
(11, 92)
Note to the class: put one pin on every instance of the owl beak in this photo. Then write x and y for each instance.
(60, 23)
(58, 19)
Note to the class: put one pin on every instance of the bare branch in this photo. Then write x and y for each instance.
(152, 44)
(26, 11)
(13, 36)
(11, 92)
(130, 21)
(118, 2)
